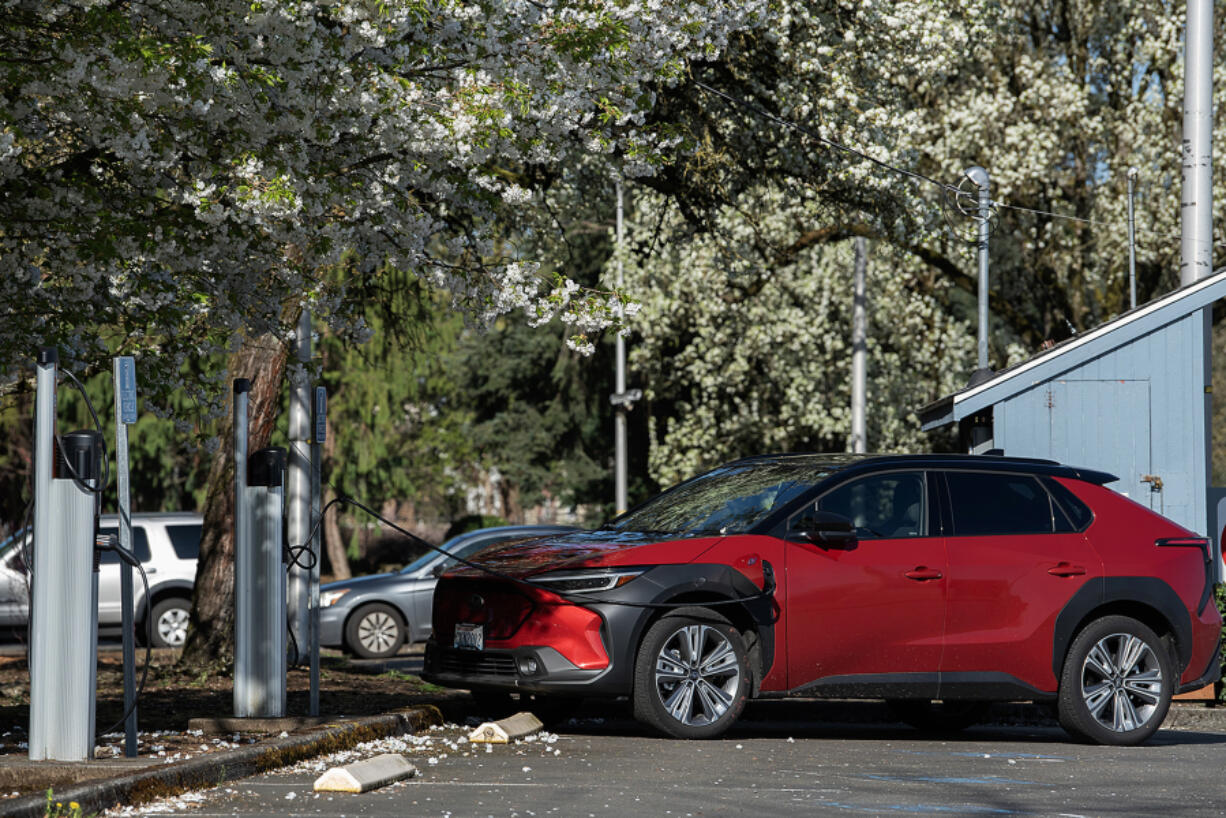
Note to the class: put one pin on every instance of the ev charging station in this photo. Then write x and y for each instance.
(64, 604)
(259, 572)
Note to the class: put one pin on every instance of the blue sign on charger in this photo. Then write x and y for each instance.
(127, 389)
(321, 414)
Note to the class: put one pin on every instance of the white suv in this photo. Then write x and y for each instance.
(167, 544)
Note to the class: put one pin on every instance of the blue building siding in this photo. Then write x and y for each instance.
(1134, 410)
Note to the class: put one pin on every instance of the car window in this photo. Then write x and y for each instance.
(729, 500)
(140, 545)
(986, 504)
(1076, 514)
(880, 506)
(185, 539)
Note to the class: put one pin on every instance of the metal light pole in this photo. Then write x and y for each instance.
(1132, 240)
(298, 488)
(859, 349)
(1196, 244)
(619, 421)
(125, 413)
(979, 177)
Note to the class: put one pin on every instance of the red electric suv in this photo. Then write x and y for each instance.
(937, 582)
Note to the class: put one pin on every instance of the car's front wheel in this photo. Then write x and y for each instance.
(168, 623)
(1117, 682)
(375, 632)
(691, 676)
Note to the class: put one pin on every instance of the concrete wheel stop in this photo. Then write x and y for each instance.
(363, 776)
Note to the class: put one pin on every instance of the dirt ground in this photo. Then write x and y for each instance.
(171, 698)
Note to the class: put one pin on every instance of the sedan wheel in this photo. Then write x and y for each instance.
(1117, 682)
(691, 676)
(169, 619)
(375, 632)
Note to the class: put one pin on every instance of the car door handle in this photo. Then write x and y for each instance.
(922, 573)
(1066, 569)
(151, 571)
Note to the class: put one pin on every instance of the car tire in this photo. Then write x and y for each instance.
(168, 622)
(691, 675)
(1116, 684)
(938, 716)
(375, 631)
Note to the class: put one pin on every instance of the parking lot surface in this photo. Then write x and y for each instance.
(777, 761)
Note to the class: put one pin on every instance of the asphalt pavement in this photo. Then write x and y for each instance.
(783, 758)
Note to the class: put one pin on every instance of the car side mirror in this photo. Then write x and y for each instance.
(829, 530)
(439, 569)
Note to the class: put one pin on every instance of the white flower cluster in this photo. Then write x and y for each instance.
(179, 171)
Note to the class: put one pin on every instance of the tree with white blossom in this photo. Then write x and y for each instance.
(1055, 100)
(177, 174)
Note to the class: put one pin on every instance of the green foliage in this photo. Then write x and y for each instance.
(1219, 596)
(397, 425)
(57, 809)
(168, 455)
(472, 522)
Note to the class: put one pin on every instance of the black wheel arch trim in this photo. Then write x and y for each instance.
(664, 584)
(1149, 592)
(1212, 673)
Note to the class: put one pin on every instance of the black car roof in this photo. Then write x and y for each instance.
(847, 464)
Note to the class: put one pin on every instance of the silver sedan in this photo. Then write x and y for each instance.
(373, 616)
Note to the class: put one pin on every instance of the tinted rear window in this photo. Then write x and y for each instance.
(140, 544)
(986, 504)
(186, 540)
(1078, 512)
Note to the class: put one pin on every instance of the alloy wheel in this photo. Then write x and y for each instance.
(1121, 682)
(378, 632)
(697, 675)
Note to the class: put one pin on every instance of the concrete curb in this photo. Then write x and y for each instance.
(215, 768)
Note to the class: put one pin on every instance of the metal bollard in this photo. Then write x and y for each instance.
(64, 607)
(259, 590)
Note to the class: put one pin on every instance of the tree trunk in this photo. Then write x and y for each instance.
(210, 636)
(338, 559)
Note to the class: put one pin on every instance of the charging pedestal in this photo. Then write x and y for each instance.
(259, 589)
(64, 604)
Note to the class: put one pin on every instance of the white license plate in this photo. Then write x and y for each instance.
(470, 636)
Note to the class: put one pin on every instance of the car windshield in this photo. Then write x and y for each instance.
(431, 555)
(729, 500)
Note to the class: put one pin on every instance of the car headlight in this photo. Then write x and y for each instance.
(329, 598)
(588, 580)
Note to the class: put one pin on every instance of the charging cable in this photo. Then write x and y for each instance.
(768, 572)
(109, 543)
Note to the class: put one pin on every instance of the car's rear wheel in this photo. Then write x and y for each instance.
(691, 677)
(1117, 682)
(168, 622)
(375, 631)
(947, 716)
